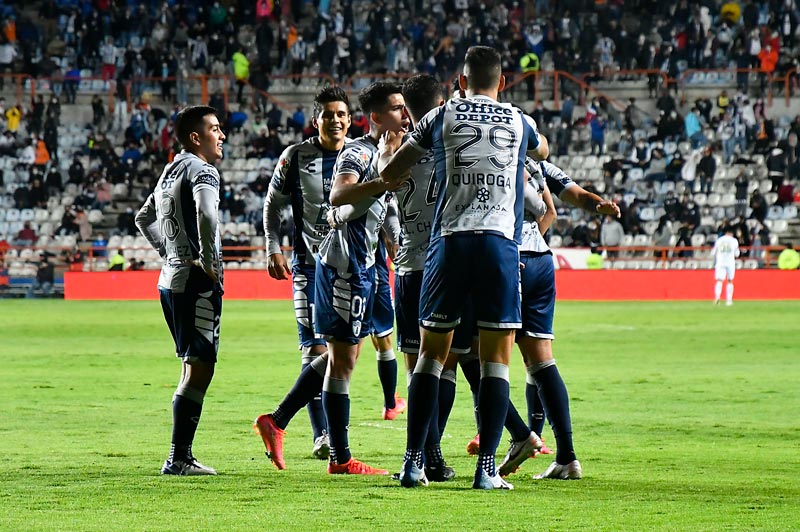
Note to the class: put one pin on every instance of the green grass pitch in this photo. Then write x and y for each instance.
(685, 418)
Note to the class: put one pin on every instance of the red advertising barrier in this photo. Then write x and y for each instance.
(665, 285)
(604, 285)
(242, 284)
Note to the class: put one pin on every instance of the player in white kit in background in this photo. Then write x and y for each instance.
(726, 250)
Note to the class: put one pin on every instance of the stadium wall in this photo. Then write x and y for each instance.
(604, 285)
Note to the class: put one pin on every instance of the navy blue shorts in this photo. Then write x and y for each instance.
(343, 305)
(407, 289)
(193, 317)
(484, 267)
(382, 311)
(538, 295)
(303, 288)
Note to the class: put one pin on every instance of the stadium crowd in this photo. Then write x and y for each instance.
(679, 173)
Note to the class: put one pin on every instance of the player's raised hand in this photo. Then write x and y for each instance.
(277, 268)
(608, 207)
(390, 142)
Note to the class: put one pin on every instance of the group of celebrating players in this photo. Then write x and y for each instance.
(459, 202)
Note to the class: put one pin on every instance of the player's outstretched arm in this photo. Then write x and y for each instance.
(589, 201)
(147, 223)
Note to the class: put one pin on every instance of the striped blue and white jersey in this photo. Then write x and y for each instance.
(479, 148)
(416, 200)
(557, 181)
(350, 248)
(302, 178)
(173, 208)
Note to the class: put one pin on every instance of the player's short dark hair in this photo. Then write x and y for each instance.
(374, 97)
(455, 85)
(483, 67)
(328, 95)
(190, 119)
(422, 93)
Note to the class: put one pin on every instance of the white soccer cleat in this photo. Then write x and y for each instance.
(322, 447)
(411, 475)
(570, 471)
(518, 452)
(186, 468)
(483, 481)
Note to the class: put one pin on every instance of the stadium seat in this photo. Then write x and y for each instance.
(647, 214)
(12, 215)
(635, 173)
(677, 265)
(775, 212)
(698, 240)
(780, 227)
(95, 216)
(790, 212)
(648, 264)
(750, 264)
(650, 227)
(555, 241)
(41, 215)
(27, 215)
(120, 191)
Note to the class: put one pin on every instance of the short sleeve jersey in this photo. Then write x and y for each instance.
(416, 200)
(557, 181)
(305, 173)
(177, 216)
(726, 249)
(479, 148)
(351, 247)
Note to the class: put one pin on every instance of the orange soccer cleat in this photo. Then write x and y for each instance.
(399, 407)
(272, 435)
(354, 467)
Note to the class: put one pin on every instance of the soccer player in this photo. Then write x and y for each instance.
(725, 252)
(478, 144)
(345, 277)
(303, 178)
(545, 390)
(179, 219)
(416, 198)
